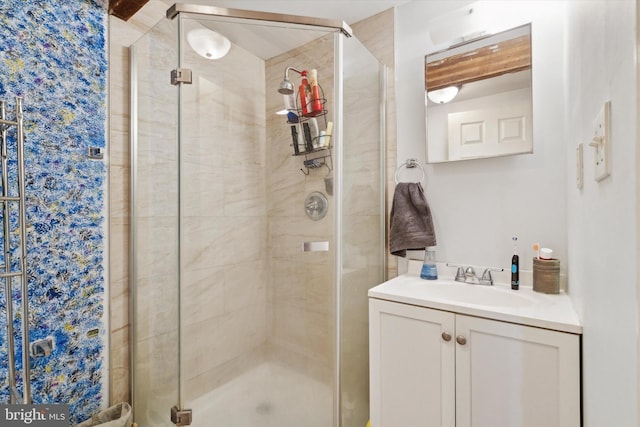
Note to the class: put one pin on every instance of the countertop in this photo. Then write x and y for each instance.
(529, 308)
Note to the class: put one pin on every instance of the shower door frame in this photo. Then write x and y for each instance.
(190, 10)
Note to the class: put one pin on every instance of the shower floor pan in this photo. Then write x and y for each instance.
(269, 395)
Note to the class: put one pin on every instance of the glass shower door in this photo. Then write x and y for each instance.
(362, 222)
(154, 227)
(223, 229)
(257, 316)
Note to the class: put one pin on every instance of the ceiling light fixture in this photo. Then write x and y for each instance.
(208, 44)
(444, 95)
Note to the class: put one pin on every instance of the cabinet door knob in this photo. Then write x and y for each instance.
(461, 340)
(446, 336)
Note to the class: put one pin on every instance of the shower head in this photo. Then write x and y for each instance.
(286, 87)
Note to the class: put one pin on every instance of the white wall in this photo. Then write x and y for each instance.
(479, 205)
(584, 54)
(601, 43)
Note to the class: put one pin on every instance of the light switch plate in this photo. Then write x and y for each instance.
(579, 167)
(602, 143)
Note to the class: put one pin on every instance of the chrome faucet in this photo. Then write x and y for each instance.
(468, 275)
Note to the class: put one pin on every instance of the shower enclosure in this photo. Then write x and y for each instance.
(246, 311)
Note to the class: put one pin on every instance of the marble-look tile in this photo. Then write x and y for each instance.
(319, 369)
(126, 33)
(303, 332)
(119, 191)
(222, 240)
(215, 341)
(119, 307)
(202, 191)
(156, 307)
(301, 284)
(119, 249)
(308, 285)
(361, 251)
(119, 360)
(363, 199)
(156, 187)
(119, 149)
(245, 285)
(157, 379)
(377, 33)
(119, 88)
(157, 247)
(286, 236)
(202, 295)
(231, 92)
(244, 191)
(199, 386)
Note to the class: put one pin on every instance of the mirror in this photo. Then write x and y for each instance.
(478, 98)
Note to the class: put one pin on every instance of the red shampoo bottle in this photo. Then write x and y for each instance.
(305, 92)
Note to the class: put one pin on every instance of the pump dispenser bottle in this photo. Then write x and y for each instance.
(515, 266)
(429, 269)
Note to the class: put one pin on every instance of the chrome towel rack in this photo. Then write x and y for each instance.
(11, 269)
(410, 164)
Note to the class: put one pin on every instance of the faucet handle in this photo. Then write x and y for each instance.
(470, 276)
(459, 272)
(486, 278)
(470, 272)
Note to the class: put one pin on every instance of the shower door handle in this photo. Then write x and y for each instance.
(315, 246)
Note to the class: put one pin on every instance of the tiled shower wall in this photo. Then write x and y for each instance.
(53, 54)
(301, 283)
(223, 206)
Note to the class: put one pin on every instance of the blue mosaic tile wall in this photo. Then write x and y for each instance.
(53, 54)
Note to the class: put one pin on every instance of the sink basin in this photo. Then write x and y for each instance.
(476, 294)
(498, 302)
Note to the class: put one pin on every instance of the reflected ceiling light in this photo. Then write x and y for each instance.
(208, 44)
(444, 95)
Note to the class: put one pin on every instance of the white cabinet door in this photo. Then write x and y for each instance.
(511, 375)
(411, 365)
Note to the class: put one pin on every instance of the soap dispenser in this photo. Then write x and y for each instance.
(429, 269)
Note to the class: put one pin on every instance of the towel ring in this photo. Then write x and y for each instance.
(410, 164)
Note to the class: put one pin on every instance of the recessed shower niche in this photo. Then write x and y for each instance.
(233, 320)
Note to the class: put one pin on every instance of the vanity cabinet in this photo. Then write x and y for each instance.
(432, 367)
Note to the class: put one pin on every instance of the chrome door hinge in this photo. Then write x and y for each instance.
(181, 417)
(180, 75)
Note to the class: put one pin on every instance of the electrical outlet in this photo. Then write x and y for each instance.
(602, 143)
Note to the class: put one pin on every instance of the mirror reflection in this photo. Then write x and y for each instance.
(478, 98)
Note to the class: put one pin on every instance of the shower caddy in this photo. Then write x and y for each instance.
(312, 161)
(11, 269)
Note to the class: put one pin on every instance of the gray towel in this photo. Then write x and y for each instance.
(411, 225)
